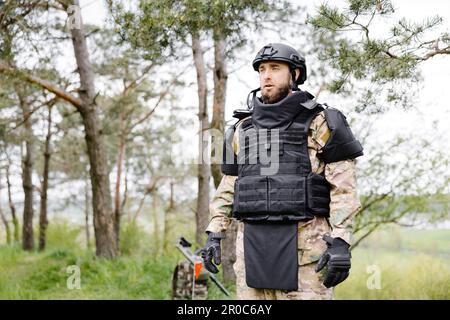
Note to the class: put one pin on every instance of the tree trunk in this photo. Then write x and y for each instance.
(218, 123)
(167, 219)
(105, 238)
(27, 172)
(117, 202)
(6, 223)
(156, 233)
(86, 216)
(12, 207)
(151, 189)
(220, 89)
(203, 174)
(125, 191)
(4, 220)
(43, 221)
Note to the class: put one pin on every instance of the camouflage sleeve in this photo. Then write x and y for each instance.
(341, 175)
(222, 203)
(345, 202)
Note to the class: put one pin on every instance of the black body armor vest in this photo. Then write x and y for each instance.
(275, 182)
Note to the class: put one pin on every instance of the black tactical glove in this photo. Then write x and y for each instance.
(337, 259)
(212, 250)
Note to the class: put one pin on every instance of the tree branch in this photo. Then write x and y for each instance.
(435, 52)
(136, 82)
(161, 97)
(25, 118)
(61, 93)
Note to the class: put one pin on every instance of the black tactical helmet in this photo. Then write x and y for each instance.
(284, 53)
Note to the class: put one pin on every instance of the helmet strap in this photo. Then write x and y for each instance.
(294, 83)
(250, 101)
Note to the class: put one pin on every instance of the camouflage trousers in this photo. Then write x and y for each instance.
(310, 285)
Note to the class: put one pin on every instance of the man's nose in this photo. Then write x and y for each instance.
(265, 75)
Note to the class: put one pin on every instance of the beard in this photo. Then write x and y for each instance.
(277, 94)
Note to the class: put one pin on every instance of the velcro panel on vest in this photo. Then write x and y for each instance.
(318, 195)
(286, 194)
(291, 140)
(277, 194)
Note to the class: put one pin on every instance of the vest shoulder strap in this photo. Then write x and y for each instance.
(305, 117)
(310, 104)
(241, 113)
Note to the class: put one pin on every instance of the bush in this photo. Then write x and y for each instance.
(62, 234)
(132, 238)
(403, 276)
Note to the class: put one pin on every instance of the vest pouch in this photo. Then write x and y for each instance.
(287, 194)
(318, 195)
(250, 194)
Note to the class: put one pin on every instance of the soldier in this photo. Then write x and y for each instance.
(290, 181)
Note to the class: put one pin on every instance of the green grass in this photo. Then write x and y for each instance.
(402, 276)
(44, 276)
(413, 264)
(139, 273)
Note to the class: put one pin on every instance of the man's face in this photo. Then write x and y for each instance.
(275, 81)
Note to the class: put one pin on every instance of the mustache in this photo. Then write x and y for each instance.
(278, 95)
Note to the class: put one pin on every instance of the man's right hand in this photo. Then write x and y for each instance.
(212, 251)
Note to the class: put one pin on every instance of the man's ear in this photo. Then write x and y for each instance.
(297, 73)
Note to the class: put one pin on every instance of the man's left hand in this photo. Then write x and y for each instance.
(337, 259)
